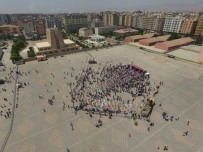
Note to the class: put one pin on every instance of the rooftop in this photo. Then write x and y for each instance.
(43, 45)
(8, 25)
(178, 41)
(68, 41)
(141, 36)
(194, 48)
(84, 28)
(127, 30)
(97, 36)
(156, 39)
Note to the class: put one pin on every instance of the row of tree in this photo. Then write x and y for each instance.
(18, 44)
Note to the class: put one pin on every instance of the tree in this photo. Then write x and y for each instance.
(174, 36)
(199, 40)
(31, 52)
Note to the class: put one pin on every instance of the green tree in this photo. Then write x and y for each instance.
(199, 40)
(18, 44)
(174, 36)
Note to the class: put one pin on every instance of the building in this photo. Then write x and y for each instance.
(174, 44)
(97, 23)
(134, 22)
(189, 26)
(148, 22)
(173, 24)
(158, 23)
(53, 21)
(85, 32)
(107, 29)
(128, 20)
(28, 29)
(9, 30)
(114, 19)
(40, 28)
(105, 18)
(125, 32)
(96, 38)
(110, 19)
(5, 19)
(73, 22)
(121, 21)
(136, 38)
(54, 43)
(199, 28)
(154, 40)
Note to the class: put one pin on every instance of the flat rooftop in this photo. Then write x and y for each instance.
(185, 54)
(68, 41)
(37, 131)
(126, 30)
(43, 44)
(156, 39)
(194, 48)
(175, 42)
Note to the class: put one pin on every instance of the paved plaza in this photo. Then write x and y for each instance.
(41, 127)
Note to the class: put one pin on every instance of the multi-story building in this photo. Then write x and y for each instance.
(40, 27)
(110, 19)
(113, 19)
(128, 21)
(158, 23)
(173, 24)
(53, 21)
(5, 19)
(105, 18)
(9, 30)
(97, 23)
(134, 22)
(73, 22)
(188, 26)
(105, 29)
(121, 20)
(199, 28)
(139, 22)
(28, 28)
(148, 22)
(85, 32)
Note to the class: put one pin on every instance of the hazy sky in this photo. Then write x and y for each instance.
(71, 6)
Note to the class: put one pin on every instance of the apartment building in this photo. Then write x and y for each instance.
(40, 27)
(73, 22)
(199, 28)
(110, 19)
(128, 21)
(121, 20)
(158, 23)
(53, 21)
(188, 26)
(105, 29)
(173, 24)
(96, 23)
(9, 30)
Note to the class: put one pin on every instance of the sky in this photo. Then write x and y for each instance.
(73, 6)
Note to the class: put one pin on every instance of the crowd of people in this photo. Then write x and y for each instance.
(100, 90)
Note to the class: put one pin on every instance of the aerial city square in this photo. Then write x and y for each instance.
(101, 78)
